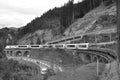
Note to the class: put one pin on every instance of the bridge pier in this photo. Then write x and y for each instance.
(85, 57)
(88, 58)
(95, 58)
(9, 53)
(101, 60)
(17, 53)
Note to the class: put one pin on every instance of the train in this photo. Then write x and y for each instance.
(61, 46)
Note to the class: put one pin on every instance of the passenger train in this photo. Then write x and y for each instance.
(61, 46)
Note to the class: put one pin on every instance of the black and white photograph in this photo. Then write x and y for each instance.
(59, 39)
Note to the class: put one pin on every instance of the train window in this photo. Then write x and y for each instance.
(35, 46)
(77, 37)
(47, 46)
(69, 39)
(70, 46)
(22, 46)
(54, 42)
(62, 41)
(82, 46)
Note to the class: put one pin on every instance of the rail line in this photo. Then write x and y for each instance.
(103, 55)
(94, 47)
(108, 54)
(91, 50)
(76, 37)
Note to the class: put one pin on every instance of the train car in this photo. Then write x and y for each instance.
(47, 46)
(61, 46)
(66, 39)
(82, 46)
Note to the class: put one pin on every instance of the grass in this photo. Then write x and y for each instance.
(85, 72)
(56, 56)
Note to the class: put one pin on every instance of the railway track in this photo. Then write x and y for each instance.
(85, 53)
(102, 55)
(88, 56)
(86, 47)
(88, 52)
(80, 37)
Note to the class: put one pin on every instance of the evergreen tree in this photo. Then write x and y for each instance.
(38, 41)
(67, 14)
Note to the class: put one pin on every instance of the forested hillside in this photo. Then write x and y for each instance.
(53, 23)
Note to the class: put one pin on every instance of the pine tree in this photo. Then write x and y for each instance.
(67, 14)
(38, 41)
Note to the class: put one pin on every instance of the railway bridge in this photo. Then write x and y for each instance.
(103, 55)
(86, 52)
(89, 47)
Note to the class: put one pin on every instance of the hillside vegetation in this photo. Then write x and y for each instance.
(56, 23)
(101, 18)
(7, 36)
(70, 19)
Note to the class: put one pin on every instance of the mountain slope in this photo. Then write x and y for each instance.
(7, 36)
(54, 24)
(98, 19)
(101, 18)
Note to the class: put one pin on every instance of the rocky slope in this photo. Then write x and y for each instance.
(101, 18)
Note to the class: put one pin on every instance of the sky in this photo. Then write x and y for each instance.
(17, 13)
